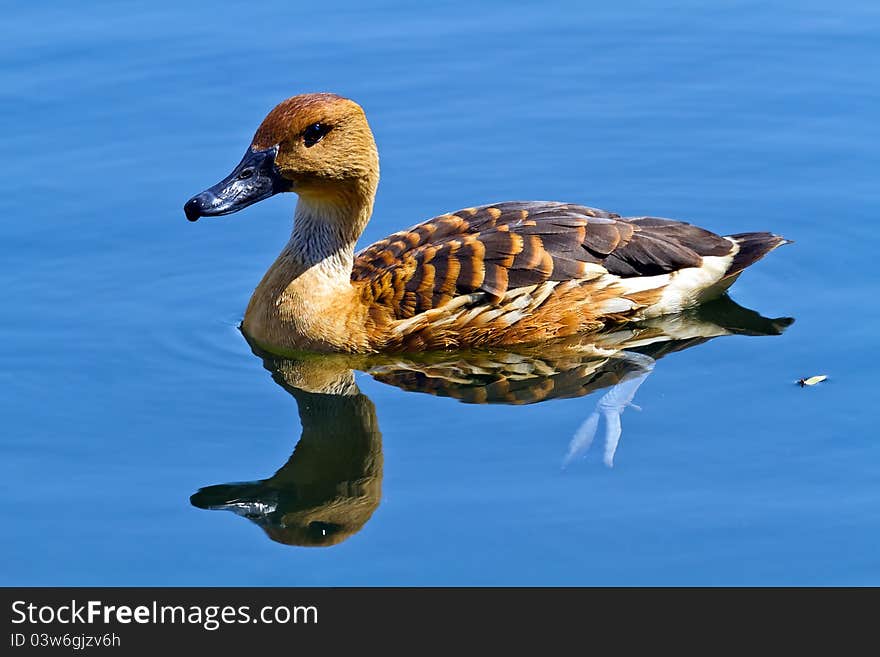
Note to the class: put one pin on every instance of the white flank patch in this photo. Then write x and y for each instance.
(692, 285)
(642, 283)
(615, 305)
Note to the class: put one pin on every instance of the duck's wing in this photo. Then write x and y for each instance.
(501, 247)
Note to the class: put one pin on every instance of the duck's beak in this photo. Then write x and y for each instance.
(255, 178)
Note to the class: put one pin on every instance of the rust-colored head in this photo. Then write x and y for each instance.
(317, 145)
(322, 139)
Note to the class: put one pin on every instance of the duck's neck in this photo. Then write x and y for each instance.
(325, 232)
(305, 300)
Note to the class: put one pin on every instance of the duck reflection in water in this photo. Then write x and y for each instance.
(332, 483)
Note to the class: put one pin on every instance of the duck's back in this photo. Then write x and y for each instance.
(527, 271)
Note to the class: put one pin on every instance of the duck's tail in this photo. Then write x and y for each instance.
(752, 247)
(696, 285)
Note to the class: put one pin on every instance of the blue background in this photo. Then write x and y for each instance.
(126, 385)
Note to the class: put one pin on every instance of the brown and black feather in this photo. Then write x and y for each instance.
(500, 247)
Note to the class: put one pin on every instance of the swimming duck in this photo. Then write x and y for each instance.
(500, 274)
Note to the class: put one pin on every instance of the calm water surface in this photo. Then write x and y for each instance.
(127, 388)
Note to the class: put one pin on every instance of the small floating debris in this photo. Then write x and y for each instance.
(813, 380)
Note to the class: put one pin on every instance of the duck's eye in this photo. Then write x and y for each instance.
(315, 133)
(244, 174)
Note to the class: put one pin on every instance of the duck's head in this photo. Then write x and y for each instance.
(317, 145)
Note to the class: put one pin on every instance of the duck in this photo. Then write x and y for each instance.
(497, 275)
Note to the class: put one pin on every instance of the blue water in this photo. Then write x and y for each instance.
(126, 386)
